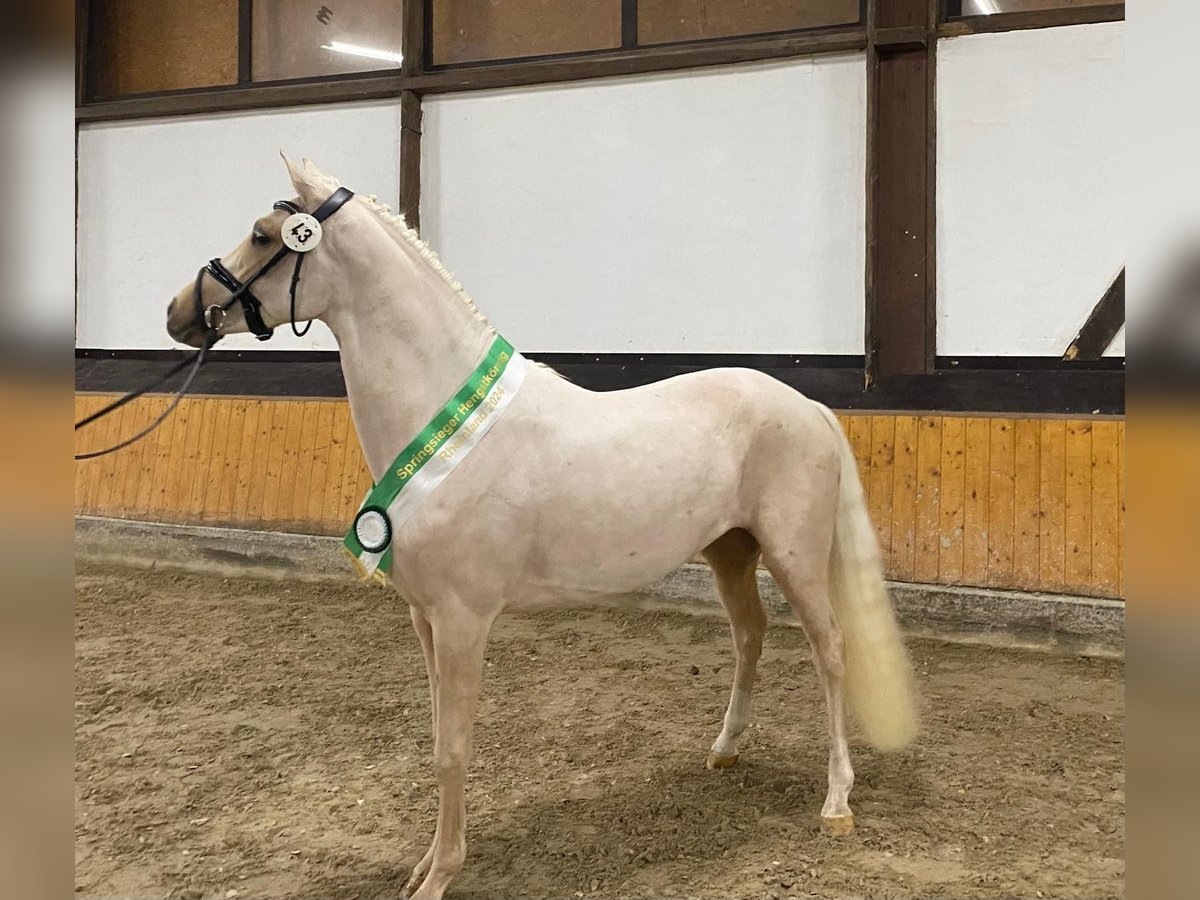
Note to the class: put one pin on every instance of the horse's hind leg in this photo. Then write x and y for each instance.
(733, 558)
(800, 566)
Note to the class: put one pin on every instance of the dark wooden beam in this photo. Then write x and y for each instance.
(900, 303)
(415, 77)
(245, 97)
(415, 44)
(1102, 325)
(410, 159)
(629, 24)
(1038, 18)
(414, 37)
(610, 63)
(245, 40)
(835, 382)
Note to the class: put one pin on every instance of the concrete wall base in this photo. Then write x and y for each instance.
(1083, 625)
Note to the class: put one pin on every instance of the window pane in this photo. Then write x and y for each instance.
(992, 7)
(664, 21)
(164, 45)
(473, 30)
(300, 39)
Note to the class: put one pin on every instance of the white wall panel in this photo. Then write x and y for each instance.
(711, 211)
(158, 199)
(1031, 186)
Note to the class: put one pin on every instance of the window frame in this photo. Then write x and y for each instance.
(420, 76)
(953, 26)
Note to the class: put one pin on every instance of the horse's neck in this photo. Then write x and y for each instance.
(407, 342)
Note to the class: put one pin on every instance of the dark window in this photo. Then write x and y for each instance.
(668, 21)
(310, 38)
(958, 8)
(139, 46)
(478, 30)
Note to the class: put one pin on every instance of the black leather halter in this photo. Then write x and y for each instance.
(211, 318)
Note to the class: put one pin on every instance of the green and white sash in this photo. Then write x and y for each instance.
(432, 455)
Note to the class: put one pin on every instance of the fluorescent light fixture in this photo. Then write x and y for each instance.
(366, 52)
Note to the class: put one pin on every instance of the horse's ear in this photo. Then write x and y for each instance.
(299, 181)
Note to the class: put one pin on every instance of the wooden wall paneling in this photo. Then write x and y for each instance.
(904, 498)
(89, 439)
(318, 477)
(1001, 515)
(1027, 487)
(162, 464)
(227, 423)
(1121, 511)
(297, 513)
(201, 462)
(276, 461)
(258, 475)
(101, 496)
(1053, 504)
(125, 499)
(126, 465)
(1036, 504)
(1077, 512)
(1105, 509)
(179, 478)
(858, 432)
(247, 462)
(881, 477)
(138, 502)
(953, 501)
(332, 514)
(928, 506)
(976, 493)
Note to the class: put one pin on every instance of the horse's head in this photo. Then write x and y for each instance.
(254, 286)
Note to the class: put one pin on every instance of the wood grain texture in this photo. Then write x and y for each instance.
(976, 492)
(1027, 486)
(1001, 518)
(953, 501)
(881, 478)
(1077, 508)
(1030, 503)
(928, 499)
(902, 553)
(1052, 499)
(1106, 507)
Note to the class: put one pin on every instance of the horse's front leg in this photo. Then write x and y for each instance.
(425, 632)
(459, 637)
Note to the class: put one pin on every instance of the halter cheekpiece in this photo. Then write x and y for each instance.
(301, 233)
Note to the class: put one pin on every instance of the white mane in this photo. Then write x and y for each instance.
(400, 228)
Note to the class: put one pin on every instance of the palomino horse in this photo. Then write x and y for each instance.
(575, 495)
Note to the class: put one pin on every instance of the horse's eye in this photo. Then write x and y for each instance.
(260, 239)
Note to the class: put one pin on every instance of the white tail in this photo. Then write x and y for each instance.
(879, 679)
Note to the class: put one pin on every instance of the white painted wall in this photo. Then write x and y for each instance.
(1030, 178)
(159, 198)
(708, 211)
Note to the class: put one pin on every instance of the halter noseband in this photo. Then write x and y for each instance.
(210, 319)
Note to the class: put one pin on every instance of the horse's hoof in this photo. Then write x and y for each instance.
(716, 761)
(837, 825)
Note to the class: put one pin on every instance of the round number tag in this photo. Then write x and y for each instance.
(301, 232)
(373, 530)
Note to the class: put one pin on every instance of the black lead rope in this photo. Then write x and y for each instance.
(239, 292)
(195, 361)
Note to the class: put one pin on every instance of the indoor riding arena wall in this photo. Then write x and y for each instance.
(997, 501)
